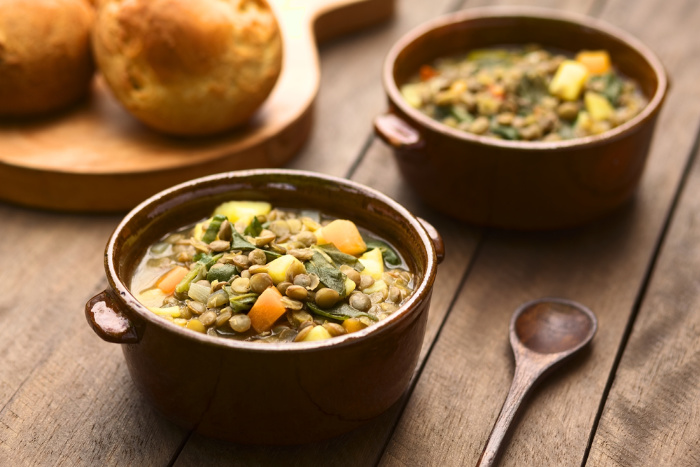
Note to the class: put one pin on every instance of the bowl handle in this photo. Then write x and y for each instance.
(436, 238)
(107, 318)
(395, 132)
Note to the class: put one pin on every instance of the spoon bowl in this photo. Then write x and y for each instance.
(552, 326)
(543, 333)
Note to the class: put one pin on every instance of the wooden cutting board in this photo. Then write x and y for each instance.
(97, 158)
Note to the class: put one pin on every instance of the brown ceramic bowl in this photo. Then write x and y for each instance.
(281, 393)
(518, 184)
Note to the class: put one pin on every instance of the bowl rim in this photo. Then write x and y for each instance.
(537, 13)
(126, 299)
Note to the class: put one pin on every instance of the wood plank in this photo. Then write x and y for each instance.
(651, 416)
(64, 394)
(468, 373)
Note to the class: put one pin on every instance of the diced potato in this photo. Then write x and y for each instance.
(412, 94)
(598, 106)
(310, 224)
(373, 263)
(151, 297)
(378, 286)
(243, 210)
(279, 267)
(568, 80)
(196, 325)
(198, 231)
(349, 286)
(171, 311)
(353, 325)
(583, 121)
(318, 333)
(180, 322)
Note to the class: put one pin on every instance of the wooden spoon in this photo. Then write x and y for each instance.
(543, 333)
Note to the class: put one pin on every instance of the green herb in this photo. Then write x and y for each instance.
(341, 312)
(254, 228)
(338, 257)
(221, 273)
(460, 113)
(533, 89)
(389, 255)
(271, 255)
(442, 112)
(329, 275)
(184, 285)
(243, 302)
(506, 132)
(240, 243)
(207, 260)
(612, 86)
(213, 229)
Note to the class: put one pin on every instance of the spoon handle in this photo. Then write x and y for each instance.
(523, 380)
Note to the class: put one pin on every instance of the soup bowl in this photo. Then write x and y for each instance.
(266, 393)
(519, 184)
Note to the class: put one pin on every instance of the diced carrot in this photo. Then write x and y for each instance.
(266, 310)
(426, 72)
(170, 279)
(497, 90)
(345, 236)
(596, 61)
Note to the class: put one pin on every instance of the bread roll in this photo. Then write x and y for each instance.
(188, 67)
(45, 57)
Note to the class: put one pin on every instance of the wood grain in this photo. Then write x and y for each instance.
(66, 397)
(468, 373)
(651, 416)
(97, 157)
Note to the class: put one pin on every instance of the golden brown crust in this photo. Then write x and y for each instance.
(45, 57)
(188, 67)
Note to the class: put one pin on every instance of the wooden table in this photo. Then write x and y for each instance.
(633, 399)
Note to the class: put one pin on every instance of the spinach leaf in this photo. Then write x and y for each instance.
(213, 229)
(389, 255)
(341, 312)
(611, 86)
(240, 243)
(339, 257)
(207, 260)
(507, 132)
(461, 113)
(254, 228)
(270, 255)
(243, 302)
(441, 112)
(329, 275)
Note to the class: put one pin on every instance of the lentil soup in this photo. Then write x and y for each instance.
(256, 273)
(526, 93)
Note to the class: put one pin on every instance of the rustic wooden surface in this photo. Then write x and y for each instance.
(632, 399)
